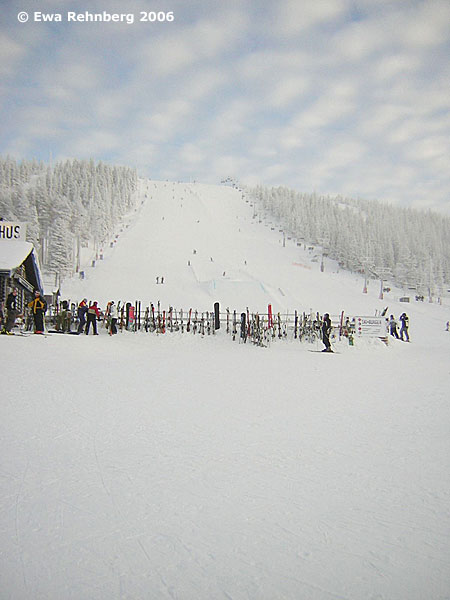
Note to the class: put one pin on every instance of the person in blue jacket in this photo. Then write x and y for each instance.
(81, 313)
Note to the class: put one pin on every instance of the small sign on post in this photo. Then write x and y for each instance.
(370, 327)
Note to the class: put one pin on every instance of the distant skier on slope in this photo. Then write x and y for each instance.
(326, 331)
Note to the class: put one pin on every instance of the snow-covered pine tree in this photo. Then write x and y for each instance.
(65, 204)
(402, 240)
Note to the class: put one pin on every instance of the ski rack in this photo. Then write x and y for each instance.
(258, 328)
(244, 326)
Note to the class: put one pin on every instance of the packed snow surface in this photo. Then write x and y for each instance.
(196, 468)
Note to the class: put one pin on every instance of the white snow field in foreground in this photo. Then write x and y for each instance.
(172, 466)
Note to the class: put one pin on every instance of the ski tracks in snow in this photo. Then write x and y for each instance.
(17, 524)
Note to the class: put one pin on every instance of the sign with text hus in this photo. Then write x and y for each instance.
(13, 231)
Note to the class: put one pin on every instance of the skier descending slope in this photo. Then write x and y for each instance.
(326, 330)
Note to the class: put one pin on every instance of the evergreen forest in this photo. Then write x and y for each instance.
(403, 245)
(65, 205)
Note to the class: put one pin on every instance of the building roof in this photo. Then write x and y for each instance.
(15, 253)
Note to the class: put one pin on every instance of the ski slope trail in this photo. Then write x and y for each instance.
(209, 245)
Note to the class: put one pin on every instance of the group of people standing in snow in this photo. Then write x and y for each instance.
(404, 327)
(37, 307)
(392, 324)
(89, 314)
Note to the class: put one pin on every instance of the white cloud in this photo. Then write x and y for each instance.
(141, 155)
(164, 122)
(287, 91)
(168, 56)
(39, 123)
(339, 101)
(397, 65)
(191, 155)
(426, 25)
(94, 143)
(265, 143)
(414, 128)
(264, 65)
(292, 17)
(357, 41)
(185, 47)
(223, 165)
(276, 172)
(346, 152)
(10, 54)
(429, 148)
(110, 107)
(233, 120)
(204, 82)
(382, 118)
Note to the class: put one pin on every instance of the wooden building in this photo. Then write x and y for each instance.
(19, 268)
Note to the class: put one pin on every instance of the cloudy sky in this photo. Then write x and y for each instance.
(338, 96)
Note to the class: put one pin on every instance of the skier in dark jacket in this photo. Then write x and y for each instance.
(93, 314)
(38, 309)
(404, 320)
(81, 313)
(326, 331)
(12, 311)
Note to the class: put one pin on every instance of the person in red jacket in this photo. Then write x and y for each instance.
(93, 314)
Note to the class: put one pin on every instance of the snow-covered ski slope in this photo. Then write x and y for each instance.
(146, 466)
(238, 261)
